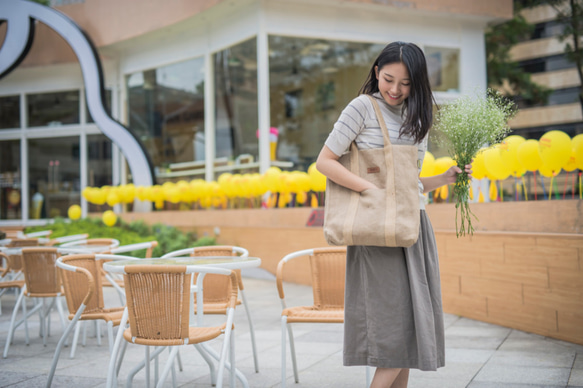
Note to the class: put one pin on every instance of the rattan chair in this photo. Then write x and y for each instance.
(90, 245)
(66, 239)
(328, 269)
(214, 299)
(41, 281)
(82, 281)
(8, 282)
(158, 304)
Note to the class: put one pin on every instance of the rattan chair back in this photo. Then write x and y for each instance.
(158, 303)
(328, 276)
(40, 273)
(76, 284)
(214, 285)
(23, 242)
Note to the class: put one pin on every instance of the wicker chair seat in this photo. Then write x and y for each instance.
(312, 314)
(113, 314)
(195, 335)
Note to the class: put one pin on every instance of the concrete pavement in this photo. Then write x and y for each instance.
(478, 355)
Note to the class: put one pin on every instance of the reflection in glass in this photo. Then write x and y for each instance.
(53, 109)
(443, 68)
(311, 81)
(10, 193)
(53, 176)
(99, 169)
(166, 110)
(236, 100)
(9, 112)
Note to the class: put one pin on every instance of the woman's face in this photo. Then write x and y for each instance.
(394, 83)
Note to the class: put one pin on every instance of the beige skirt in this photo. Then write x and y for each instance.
(393, 316)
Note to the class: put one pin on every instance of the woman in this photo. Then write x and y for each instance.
(393, 315)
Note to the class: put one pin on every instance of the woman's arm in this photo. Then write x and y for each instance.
(328, 165)
(433, 182)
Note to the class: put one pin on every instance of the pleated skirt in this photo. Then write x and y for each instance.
(393, 317)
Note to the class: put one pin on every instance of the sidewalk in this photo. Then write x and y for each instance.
(478, 355)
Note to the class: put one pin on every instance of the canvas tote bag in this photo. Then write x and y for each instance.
(387, 216)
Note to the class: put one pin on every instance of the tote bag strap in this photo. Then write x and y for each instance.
(391, 197)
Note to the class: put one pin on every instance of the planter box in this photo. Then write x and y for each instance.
(522, 268)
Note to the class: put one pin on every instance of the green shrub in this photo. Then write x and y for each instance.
(169, 238)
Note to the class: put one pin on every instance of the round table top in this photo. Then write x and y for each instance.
(85, 248)
(228, 262)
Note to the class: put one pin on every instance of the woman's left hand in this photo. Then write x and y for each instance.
(452, 173)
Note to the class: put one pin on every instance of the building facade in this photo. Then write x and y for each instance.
(201, 82)
(543, 56)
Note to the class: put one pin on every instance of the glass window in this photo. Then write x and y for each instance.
(99, 169)
(10, 193)
(236, 100)
(53, 176)
(311, 81)
(443, 67)
(9, 112)
(166, 110)
(53, 109)
(107, 108)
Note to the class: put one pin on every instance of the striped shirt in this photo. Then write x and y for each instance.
(358, 123)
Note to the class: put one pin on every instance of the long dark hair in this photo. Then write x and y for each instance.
(419, 104)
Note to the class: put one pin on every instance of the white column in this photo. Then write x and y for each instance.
(83, 153)
(24, 184)
(263, 113)
(209, 116)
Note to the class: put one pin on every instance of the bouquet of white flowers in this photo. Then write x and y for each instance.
(465, 126)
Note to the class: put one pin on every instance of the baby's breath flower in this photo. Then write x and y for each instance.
(465, 126)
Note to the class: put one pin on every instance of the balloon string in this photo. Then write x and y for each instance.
(535, 193)
(524, 189)
(542, 183)
(580, 192)
(551, 187)
(516, 192)
(557, 192)
(573, 185)
(565, 186)
(501, 192)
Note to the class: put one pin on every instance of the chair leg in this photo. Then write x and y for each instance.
(232, 382)
(110, 335)
(61, 312)
(24, 314)
(225, 349)
(84, 341)
(169, 364)
(12, 327)
(208, 360)
(283, 343)
(179, 359)
(216, 356)
(251, 331)
(292, 348)
(75, 339)
(98, 332)
(111, 378)
(61, 343)
(147, 361)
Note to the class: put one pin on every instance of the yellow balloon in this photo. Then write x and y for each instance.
(99, 197)
(479, 166)
(509, 153)
(112, 198)
(109, 218)
(555, 149)
(428, 167)
(494, 164)
(317, 179)
(529, 155)
(548, 172)
(443, 164)
(571, 164)
(74, 212)
(142, 193)
(577, 144)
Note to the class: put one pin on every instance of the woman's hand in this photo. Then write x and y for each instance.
(451, 174)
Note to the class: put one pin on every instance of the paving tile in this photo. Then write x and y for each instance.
(481, 384)
(503, 374)
(576, 379)
(10, 378)
(534, 359)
